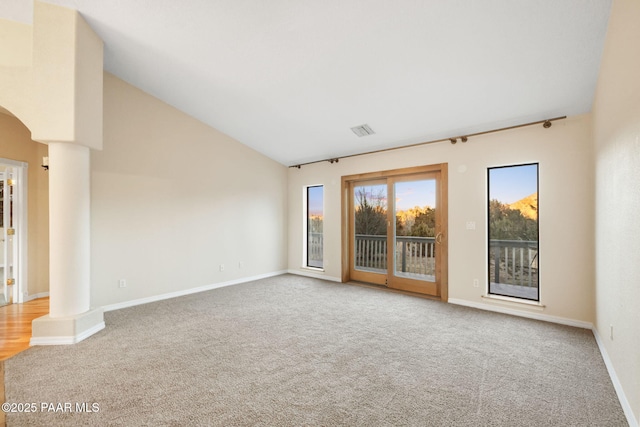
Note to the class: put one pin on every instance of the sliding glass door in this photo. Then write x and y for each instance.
(397, 229)
(418, 233)
(370, 230)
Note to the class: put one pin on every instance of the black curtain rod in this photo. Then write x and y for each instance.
(546, 123)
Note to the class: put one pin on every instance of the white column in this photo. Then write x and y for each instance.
(69, 229)
(70, 318)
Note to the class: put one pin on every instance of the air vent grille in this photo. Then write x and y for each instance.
(362, 130)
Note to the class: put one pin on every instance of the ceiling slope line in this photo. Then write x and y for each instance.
(546, 124)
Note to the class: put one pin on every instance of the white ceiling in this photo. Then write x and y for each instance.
(291, 77)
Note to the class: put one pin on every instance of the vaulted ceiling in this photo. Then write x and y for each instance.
(290, 78)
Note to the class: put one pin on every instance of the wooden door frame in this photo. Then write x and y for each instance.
(443, 195)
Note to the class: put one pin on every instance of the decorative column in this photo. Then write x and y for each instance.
(70, 317)
(69, 216)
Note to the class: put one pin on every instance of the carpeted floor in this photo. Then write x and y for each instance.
(294, 351)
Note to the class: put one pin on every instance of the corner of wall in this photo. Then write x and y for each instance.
(616, 142)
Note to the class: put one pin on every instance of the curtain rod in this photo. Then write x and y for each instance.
(545, 123)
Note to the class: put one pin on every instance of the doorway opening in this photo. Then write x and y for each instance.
(13, 229)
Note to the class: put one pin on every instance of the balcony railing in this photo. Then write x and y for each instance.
(370, 252)
(414, 255)
(517, 261)
(315, 245)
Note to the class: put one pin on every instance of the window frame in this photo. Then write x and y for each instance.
(307, 226)
(536, 258)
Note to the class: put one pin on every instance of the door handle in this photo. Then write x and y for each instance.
(439, 238)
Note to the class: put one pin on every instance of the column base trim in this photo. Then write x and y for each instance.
(67, 330)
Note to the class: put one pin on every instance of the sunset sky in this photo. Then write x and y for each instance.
(513, 183)
(408, 193)
(415, 193)
(315, 198)
(506, 184)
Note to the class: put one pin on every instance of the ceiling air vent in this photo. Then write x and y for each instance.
(362, 130)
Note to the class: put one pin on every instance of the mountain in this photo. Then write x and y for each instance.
(528, 206)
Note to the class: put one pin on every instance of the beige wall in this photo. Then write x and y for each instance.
(616, 127)
(566, 205)
(172, 199)
(51, 76)
(16, 71)
(16, 144)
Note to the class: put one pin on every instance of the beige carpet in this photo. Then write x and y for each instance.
(293, 351)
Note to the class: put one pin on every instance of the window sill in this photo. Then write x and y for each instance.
(514, 301)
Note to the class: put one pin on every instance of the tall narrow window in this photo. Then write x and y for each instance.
(513, 231)
(315, 197)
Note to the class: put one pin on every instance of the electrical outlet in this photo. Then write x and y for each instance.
(221, 267)
(122, 283)
(476, 283)
(240, 264)
(471, 225)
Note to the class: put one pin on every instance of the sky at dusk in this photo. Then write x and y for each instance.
(506, 184)
(315, 198)
(409, 194)
(513, 183)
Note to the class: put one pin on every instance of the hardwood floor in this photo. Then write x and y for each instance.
(15, 325)
(15, 333)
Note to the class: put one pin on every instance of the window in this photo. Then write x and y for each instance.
(314, 246)
(513, 231)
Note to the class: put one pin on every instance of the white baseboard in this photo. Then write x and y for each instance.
(66, 340)
(522, 313)
(626, 407)
(132, 303)
(35, 296)
(314, 275)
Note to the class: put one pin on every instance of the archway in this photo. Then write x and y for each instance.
(51, 79)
